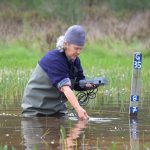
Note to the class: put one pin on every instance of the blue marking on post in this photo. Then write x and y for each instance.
(134, 98)
(133, 110)
(137, 61)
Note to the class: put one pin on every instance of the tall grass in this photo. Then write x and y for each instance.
(12, 84)
(26, 34)
(63, 138)
(70, 11)
(112, 60)
(18, 56)
(5, 147)
(25, 21)
(134, 5)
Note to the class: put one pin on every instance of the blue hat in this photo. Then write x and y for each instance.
(75, 35)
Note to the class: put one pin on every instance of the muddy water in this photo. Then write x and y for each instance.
(104, 130)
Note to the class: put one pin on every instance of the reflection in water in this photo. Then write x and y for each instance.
(74, 133)
(104, 130)
(44, 133)
(134, 133)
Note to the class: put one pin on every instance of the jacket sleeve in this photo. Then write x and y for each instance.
(80, 76)
(56, 69)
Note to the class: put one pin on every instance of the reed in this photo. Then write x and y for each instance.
(5, 147)
(12, 86)
(63, 138)
(13, 81)
(108, 58)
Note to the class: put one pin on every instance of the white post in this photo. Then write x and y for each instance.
(136, 84)
(134, 133)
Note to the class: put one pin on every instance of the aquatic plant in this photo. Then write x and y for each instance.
(5, 147)
(12, 84)
(63, 137)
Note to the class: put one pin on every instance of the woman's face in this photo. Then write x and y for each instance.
(72, 51)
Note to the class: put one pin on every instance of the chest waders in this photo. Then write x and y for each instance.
(41, 97)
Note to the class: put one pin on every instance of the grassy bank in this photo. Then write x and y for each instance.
(18, 56)
(101, 54)
(43, 21)
(112, 59)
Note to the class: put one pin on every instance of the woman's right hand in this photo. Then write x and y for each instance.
(82, 114)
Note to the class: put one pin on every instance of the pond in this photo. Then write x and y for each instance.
(107, 128)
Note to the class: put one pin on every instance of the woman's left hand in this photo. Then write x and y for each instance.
(89, 86)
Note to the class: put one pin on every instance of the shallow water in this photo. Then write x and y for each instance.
(104, 130)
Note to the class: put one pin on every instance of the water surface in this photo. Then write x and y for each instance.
(106, 129)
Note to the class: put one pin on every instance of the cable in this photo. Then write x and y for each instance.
(85, 96)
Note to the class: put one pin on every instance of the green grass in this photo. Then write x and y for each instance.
(111, 59)
(105, 54)
(18, 56)
(5, 147)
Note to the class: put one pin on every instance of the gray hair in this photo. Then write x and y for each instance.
(60, 42)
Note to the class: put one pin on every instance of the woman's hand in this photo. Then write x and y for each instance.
(90, 86)
(82, 114)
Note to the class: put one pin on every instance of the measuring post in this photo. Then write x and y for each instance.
(135, 84)
(134, 133)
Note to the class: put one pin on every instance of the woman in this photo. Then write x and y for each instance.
(55, 77)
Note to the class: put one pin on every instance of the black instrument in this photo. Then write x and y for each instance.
(90, 92)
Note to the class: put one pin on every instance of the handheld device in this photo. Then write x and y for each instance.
(90, 93)
(98, 81)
